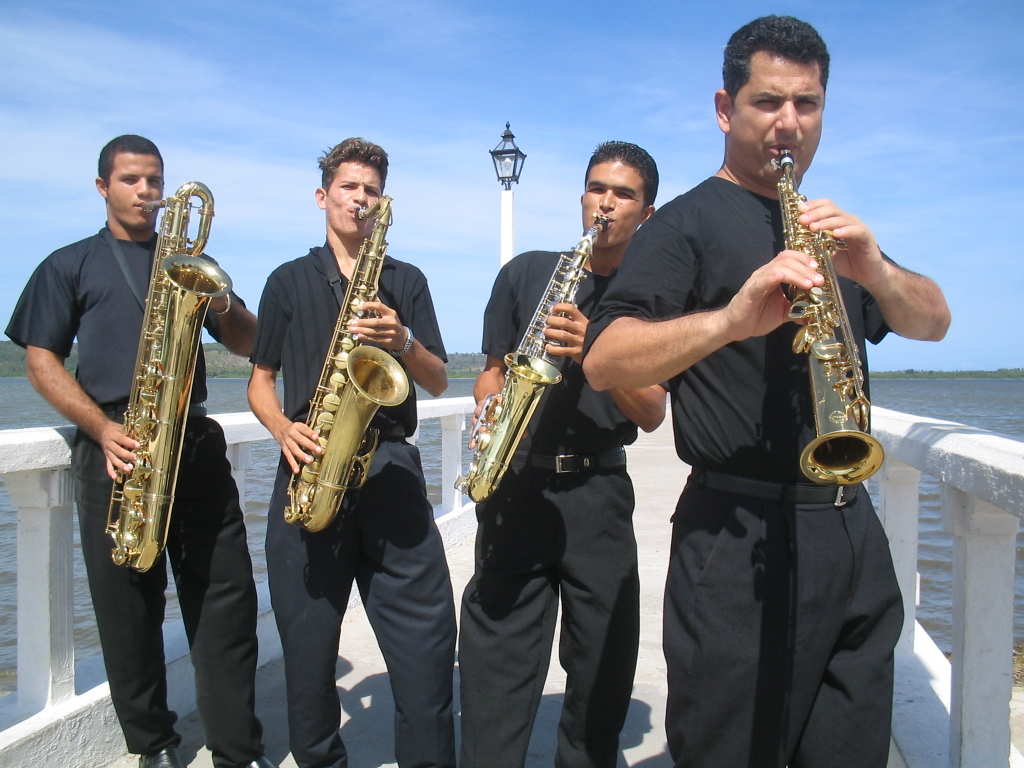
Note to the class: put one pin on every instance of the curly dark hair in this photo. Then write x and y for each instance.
(129, 143)
(782, 36)
(354, 150)
(635, 157)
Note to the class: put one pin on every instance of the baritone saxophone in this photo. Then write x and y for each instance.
(180, 290)
(843, 452)
(531, 369)
(356, 380)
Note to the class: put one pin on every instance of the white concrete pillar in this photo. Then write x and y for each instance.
(240, 458)
(46, 599)
(508, 226)
(898, 497)
(452, 428)
(984, 548)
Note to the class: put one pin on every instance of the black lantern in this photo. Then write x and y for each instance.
(508, 159)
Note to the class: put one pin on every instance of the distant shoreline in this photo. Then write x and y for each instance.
(221, 364)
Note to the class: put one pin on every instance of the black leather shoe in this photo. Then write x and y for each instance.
(261, 762)
(165, 758)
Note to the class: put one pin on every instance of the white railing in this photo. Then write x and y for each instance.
(63, 702)
(943, 716)
(954, 714)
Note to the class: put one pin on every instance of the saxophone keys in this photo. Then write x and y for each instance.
(331, 402)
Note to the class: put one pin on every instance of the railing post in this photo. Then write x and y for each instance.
(46, 602)
(984, 549)
(898, 498)
(452, 427)
(239, 456)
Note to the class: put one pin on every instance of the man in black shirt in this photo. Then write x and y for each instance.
(95, 290)
(781, 608)
(384, 537)
(560, 525)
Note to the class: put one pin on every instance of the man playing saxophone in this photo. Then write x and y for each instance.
(559, 525)
(95, 290)
(384, 537)
(781, 609)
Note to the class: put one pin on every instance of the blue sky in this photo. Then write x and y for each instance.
(924, 130)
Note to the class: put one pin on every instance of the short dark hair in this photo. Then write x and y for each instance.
(129, 143)
(635, 157)
(778, 36)
(354, 150)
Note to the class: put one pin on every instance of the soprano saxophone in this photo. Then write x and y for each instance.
(356, 380)
(531, 369)
(180, 289)
(843, 451)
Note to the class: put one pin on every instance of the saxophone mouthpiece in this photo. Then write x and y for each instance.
(785, 158)
(601, 222)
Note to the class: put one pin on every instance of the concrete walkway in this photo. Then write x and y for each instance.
(367, 706)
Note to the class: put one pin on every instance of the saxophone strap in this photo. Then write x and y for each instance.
(122, 262)
(330, 265)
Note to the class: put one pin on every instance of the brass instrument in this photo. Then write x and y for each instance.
(180, 289)
(843, 452)
(356, 380)
(531, 369)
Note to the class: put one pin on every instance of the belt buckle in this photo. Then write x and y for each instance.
(559, 469)
(840, 500)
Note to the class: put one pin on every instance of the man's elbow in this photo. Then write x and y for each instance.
(596, 371)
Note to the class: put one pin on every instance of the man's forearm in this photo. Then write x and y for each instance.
(49, 377)
(644, 407)
(913, 305)
(427, 369)
(632, 353)
(237, 329)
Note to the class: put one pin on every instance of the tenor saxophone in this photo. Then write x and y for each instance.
(530, 370)
(843, 451)
(356, 380)
(180, 289)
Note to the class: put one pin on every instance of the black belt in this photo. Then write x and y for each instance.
(579, 462)
(796, 493)
(393, 432)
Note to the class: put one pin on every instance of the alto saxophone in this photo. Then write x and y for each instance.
(843, 451)
(180, 289)
(531, 369)
(356, 380)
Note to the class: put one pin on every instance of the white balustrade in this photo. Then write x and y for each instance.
(46, 713)
(954, 715)
(940, 718)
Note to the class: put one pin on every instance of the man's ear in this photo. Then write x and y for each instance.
(321, 198)
(648, 212)
(101, 186)
(723, 109)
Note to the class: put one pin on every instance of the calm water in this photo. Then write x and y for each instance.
(997, 405)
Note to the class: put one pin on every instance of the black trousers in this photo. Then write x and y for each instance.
(780, 624)
(213, 576)
(386, 541)
(541, 537)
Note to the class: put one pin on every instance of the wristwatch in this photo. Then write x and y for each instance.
(408, 342)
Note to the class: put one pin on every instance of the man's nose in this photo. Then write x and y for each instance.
(607, 201)
(786, 119)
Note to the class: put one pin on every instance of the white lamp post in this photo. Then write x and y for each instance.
(508, 164)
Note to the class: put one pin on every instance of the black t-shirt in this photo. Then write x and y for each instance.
(572, 418)
(745, 409)
(298, 315)
(80, 291)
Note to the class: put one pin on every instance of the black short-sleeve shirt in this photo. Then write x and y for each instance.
(298, 315)
(745, 409)
(572, 418)
(80, 291)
